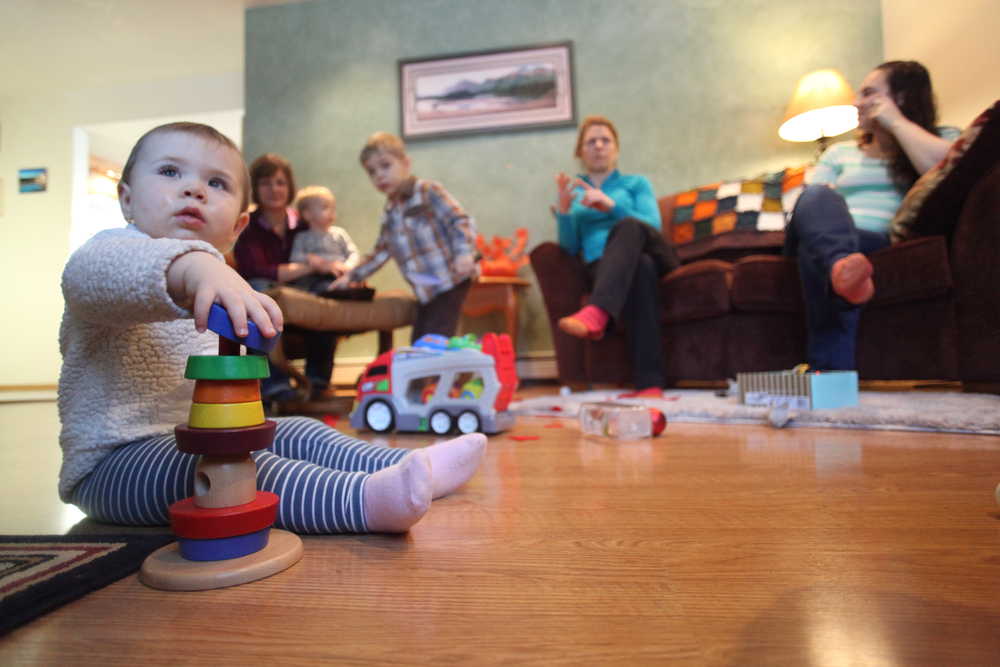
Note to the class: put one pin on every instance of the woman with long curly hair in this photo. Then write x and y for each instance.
(853, 193)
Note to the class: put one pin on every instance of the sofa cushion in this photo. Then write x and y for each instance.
(765, 283)
(933, 204)
(696, 291)
(728, 215)
(911, 271)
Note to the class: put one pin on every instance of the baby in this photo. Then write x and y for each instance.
(323, 243)
(127, 332)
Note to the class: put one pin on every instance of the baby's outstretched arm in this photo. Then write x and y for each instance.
(196, 280)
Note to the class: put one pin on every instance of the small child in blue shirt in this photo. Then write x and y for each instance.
(324, 241)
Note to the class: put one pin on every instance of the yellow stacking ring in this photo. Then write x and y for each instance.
(226, 415)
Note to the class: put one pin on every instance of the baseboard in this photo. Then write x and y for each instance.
(530, 366)
(27, 393)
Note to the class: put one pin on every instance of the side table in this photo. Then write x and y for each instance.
(496, 293)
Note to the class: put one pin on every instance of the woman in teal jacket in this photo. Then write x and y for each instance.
(612, 221)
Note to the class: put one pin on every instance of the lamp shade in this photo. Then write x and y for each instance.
(822, 106)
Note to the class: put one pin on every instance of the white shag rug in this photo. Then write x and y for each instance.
(949, 412)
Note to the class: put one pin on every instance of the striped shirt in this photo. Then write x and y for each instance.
(864, 182)
(426, 231)
(334, 245)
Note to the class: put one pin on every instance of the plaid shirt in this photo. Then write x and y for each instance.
(429, 235)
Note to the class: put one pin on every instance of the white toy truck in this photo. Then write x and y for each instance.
(439, 389)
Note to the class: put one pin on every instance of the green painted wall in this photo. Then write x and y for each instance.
(697, 88)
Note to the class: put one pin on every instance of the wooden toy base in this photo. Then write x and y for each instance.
(167, 570)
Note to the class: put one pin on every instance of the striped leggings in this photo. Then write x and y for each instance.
(318, 472)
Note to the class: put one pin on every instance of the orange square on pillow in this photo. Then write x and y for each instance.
(686, 198)
(724, 223)
(793, 178)
(682, 233)
(705, 209)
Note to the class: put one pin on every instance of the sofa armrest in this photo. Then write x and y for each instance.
(562, 279)
(975, 261)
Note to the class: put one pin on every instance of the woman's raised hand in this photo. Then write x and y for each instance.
(594, 197)
(565, 187)
(882, 109)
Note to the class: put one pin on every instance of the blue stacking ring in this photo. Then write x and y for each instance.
(219, 322)
(223, 548)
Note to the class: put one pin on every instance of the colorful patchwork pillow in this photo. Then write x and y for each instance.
(933, 203)
(759, 204)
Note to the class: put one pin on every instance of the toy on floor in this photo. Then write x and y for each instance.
(224, 531)
(621, 421)
(464, 385)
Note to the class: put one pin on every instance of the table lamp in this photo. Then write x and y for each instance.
(821, 107)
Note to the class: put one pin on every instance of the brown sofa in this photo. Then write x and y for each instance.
(735, 303)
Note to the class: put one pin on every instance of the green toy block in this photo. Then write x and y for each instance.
(247, 367)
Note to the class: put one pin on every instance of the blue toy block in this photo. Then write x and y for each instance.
(223, 548)
(219, 322)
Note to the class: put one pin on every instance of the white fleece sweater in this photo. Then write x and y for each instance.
(124, 344)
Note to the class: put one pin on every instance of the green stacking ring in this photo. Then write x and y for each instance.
(228, 367)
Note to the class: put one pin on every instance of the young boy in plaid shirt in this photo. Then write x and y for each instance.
(425, 230)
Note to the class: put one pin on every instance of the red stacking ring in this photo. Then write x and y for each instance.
(224, 441)
(190, 521)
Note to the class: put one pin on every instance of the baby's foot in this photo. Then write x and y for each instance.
(453, 462)
(396, 497)
(851, 278)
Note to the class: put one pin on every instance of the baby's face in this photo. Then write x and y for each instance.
(320, 213)
(186, 187)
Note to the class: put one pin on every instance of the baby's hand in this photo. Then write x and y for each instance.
(196, 280)
(342, 282)
(337, 268)
(316, 263)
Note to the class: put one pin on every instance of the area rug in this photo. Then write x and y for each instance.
(39, 573)
(949, 412)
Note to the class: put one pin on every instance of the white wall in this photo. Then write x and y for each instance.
(67, 64)
(957, 41)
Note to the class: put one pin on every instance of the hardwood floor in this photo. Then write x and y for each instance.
(711, 545)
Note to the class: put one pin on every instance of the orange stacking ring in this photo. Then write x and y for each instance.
(226, 391)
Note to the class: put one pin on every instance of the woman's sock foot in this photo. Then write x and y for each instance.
(398, 496)
(588, 323)
(454, 462)
(851, 278)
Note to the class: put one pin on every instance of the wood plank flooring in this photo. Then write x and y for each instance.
(711, 545)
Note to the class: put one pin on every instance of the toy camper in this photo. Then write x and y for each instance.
(460, 386)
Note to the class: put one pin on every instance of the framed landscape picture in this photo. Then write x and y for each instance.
(487, 91)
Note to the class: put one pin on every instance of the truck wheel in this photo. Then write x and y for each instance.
(379, 417)
(468, 422)
(440, 422)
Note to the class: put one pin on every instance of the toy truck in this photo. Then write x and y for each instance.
(439, 387)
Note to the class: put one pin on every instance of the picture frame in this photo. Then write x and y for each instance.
(504, 90)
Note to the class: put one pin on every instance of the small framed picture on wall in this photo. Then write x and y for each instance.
(33, 180)
(487, 91)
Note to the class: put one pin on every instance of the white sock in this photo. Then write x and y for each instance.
(453, 462)
(398, 496)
